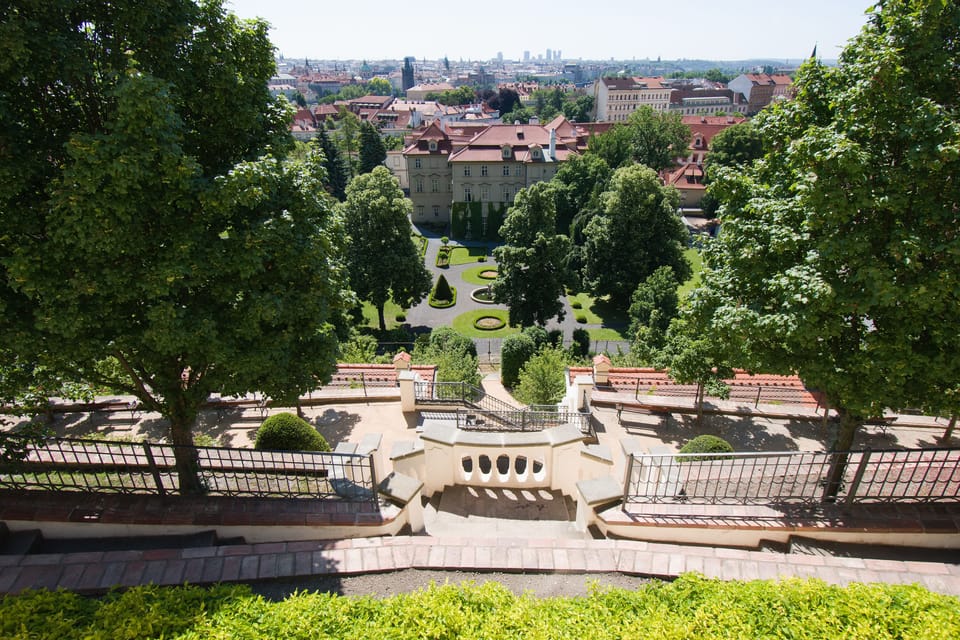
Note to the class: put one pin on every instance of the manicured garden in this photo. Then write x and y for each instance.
(391, 312)
(690, 607)
(466, 324)
(590, 310)
(483, 274)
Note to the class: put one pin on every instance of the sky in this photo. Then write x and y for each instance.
(588, 30)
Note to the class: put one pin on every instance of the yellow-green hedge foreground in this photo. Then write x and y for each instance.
(690, 607)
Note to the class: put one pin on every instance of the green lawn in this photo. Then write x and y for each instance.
(473, 275)
(696, 264)
(606, 333)
(466, 255)
(598, 311)
(463, 324)
(390, 311)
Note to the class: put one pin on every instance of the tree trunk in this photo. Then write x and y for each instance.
(701, 388)
(847, 430)
(383, 321)
(949, 432)
(187, 459)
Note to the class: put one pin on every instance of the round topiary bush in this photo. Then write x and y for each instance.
(576, 304)
(580, 318)
(287, 432)
(706, 444)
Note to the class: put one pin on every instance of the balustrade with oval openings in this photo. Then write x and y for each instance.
(503, 470)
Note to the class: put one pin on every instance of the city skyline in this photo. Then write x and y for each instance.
(698, 29)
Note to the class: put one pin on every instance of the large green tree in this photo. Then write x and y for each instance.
(372, 150)
(735, 146)
(839, 256)
(337, 169)
(383, 260)
(531, 264)
(657, 138)
(143, 219)
(636, 231)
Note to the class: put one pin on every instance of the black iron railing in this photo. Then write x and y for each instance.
(916, 475)
(483, 412)
(147, 468)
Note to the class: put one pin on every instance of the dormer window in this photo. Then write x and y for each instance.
(432, 145)
(506, 152)
(536, 152)
(698, 142)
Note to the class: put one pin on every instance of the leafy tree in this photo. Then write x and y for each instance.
(839, 255)
(514, 353)
(379, 87)
(299, 100)
(373, 153)
(614, 146)
(144, 219)
(337, 172)
(653, 305)
(383, 260)
(504, 101)
(636, 232)
(693, 355)
(579, 109)
(531, 273)
(656, 139)
(539, 335)
(347, 136)
(577, 185)
(454, 355)
(735, 146)
(542, 377)
(519, 114)
(359, 348)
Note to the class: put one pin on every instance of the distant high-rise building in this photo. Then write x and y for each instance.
(558, 57)
(549, 55)
(499, 56)
(526, 56)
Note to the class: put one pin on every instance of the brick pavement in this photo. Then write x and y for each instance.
(96, 572)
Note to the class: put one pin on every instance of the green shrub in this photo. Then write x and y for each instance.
(539, 336)
(555, 337)
(581, 343)
(690, 607)
(542, 377)
(441, 292)
(401, 317)
(576, 304)
(287, 432)
(706, 444)
(514, 353)
(580, 318)
(448, 339)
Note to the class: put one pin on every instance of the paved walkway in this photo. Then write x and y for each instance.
(97, 572)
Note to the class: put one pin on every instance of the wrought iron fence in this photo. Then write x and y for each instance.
(915, 475)
(483, 412)
(146, 468)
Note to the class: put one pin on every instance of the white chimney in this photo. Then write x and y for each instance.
(553, 144)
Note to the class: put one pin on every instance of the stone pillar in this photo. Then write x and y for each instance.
(408, 398)
(584, 387)
(601, 369)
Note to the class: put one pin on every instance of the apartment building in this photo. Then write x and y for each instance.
(616, 98)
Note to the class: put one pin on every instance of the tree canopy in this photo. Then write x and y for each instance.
(839, 257)
(144, 217)
(372, 150)
(636, 231)
(383, 260)
(531, 262)
(735, 146)
(649, 138)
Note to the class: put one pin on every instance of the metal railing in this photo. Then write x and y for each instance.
(147, 468)
(484, 412)
(915, 475)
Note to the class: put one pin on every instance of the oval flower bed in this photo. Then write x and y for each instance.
(488, 274)
(489, 323)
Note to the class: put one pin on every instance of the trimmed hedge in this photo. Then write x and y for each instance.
(287, 432)
(514, 353)
(707, 444)
(691, 607)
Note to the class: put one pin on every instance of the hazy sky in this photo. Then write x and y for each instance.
(588, 29)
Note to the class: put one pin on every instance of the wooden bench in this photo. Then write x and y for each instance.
(643, 411)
